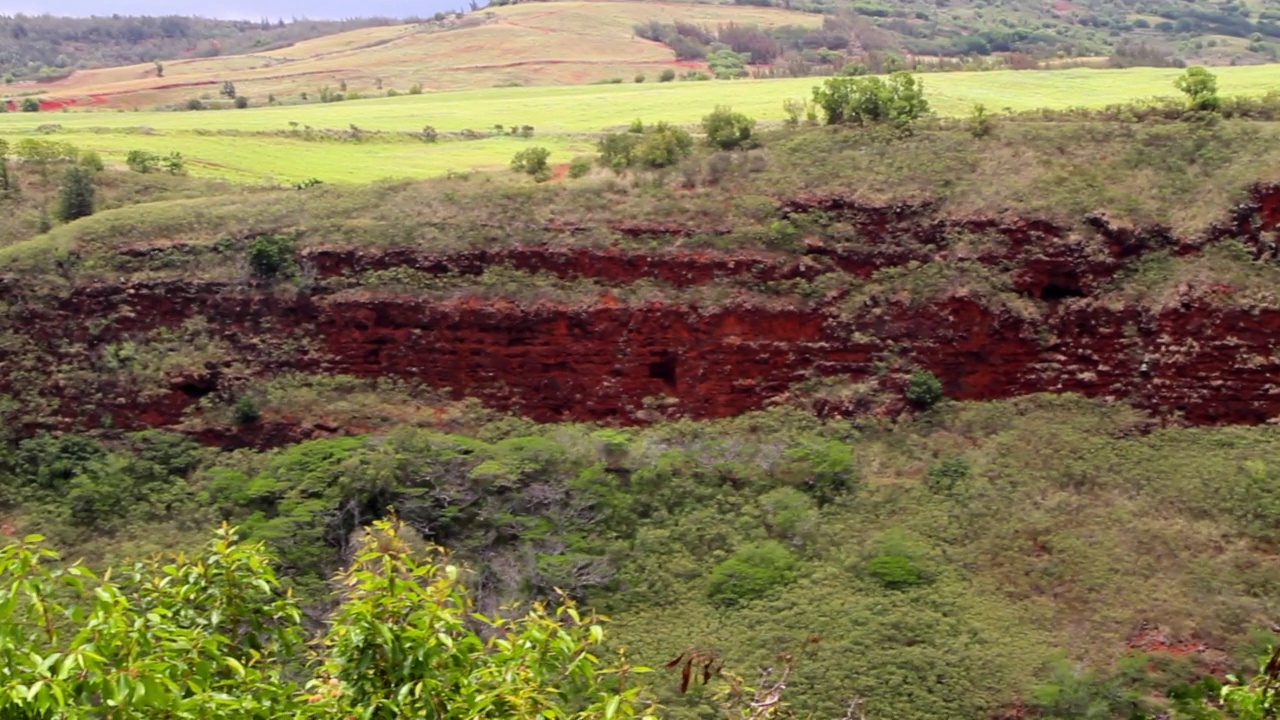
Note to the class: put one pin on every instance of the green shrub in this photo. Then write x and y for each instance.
(729, 130)
(579, 167)
(788, 513)
(924, 389)
(270, 256)
(947, 474)
(980, 123)
(174, 163)
(142, 161)
(30, 105)
(639, 78)
(663, 145)
(241, 102)
(90, 160)
(896, 572)
(246, 410)
(75, 195)
(667, 75)
(617, 150)
(825, 470)
(752, 572)
(1201, 88)
(533, 161)
(898, 100)
(195, 104)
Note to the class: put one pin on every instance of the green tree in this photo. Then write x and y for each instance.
(667, 75)
(663, 145)
(898, 100)
(228, 90)
(271, 256)
(216, 637)
(729, 130)
(6, 183)
(1201, 88)
(407, 643)
(618, 150)
(579, 167)
(142, 161)
(241, 102)
(30, 105)
(75, 196)
(534, 162)
(1255, 699)
(924, 389)
(752, 572)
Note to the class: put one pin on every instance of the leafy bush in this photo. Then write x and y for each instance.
(663, 146)
(727, 64)
(825, 470)
(898, 100)
(752, 572)
(896, 561)
(533, 161)
(30, 105)
(246, 410)
(667, 75)
(75, 195)
(947, 474)
(788, 513)
(142, 161)
(92, 161)
(241, 102)
(174, 163)
(217, 635)
(579, 167)
(980, 122)
(270, 256)
(924, 389)
(729, 130)
(617, 150)
(896, 572)
(1201, 88)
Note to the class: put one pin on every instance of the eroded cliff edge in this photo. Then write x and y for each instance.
(1181, 326)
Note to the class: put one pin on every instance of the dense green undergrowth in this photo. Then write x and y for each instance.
(943, 566)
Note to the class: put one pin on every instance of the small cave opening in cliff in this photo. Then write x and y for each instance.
(664, 370)
(1054, 292)
(195, 390)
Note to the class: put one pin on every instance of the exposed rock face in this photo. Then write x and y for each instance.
(600, 359)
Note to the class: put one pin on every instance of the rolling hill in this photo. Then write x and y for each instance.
(536, 44)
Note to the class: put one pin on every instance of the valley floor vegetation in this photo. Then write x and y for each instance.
(1047, 551)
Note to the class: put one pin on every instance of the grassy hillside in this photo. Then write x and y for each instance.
(538, 44)
(274, 143)
(44, 48)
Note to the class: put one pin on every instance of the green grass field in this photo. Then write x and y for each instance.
(561, 116)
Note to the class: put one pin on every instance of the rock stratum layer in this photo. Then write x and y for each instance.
(1199, 358)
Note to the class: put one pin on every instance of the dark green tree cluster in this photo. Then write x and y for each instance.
(651, 147)
(897, 100)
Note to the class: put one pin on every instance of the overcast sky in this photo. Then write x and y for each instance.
(247, 9)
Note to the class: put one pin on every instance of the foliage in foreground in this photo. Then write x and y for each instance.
(215, 636)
